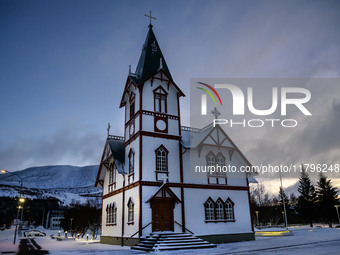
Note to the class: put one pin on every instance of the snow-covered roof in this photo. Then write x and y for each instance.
(118, 153)
(192, 137)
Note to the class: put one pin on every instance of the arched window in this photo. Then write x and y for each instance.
(132, 105)
(114, 214)
(131, 207)
(131, 162)
(108, 214)
(209, 208)
(229, 209)
(161, 159)
(211, 159)
(160, 97)
(220, 159)
(112, 174)
(219, 209)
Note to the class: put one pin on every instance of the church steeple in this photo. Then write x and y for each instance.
(151, 59)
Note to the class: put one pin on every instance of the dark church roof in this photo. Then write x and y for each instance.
(117, 150)
(149, 61)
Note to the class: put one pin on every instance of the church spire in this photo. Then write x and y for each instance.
(149, 61)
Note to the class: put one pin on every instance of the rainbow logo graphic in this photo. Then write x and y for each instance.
(204, 97)
(209, 93)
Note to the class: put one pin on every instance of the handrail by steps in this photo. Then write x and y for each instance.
(184, 228)
(141, 229)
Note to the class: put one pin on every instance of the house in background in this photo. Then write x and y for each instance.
(145, 174)
(54, 219)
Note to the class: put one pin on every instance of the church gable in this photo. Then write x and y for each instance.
(164, 192)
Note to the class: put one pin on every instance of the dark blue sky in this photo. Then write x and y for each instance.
(64, 63)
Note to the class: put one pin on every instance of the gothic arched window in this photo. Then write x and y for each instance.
(211, 159)
(229, 209)
(131, 207)
(219, 209)
(161, 159)
(131, 162)
(132, 105)
(209, 208)
(160, 100)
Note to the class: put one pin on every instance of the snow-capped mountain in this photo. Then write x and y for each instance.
(69, 184)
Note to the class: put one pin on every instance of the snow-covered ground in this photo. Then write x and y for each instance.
(303, 241)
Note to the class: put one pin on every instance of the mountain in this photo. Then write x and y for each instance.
(69, 184)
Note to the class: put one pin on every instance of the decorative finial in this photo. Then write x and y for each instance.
(150, 16)
(108, 129)
(129, 69)
(216, 113)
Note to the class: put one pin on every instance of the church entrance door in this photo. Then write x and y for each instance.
(162, 214)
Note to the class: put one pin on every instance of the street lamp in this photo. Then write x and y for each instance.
(257, 217)
(337, 211)
(3, 171)
(283, 202)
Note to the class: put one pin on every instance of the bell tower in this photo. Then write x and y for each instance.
(151, 101)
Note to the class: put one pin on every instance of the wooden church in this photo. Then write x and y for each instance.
(148, 192)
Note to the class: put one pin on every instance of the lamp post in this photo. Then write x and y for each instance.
(3, 171)
(337, 211)
(257, 217)
(283, 202)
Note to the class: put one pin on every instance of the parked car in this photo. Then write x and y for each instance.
(35, 233)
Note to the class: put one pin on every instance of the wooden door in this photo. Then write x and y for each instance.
(162, 215)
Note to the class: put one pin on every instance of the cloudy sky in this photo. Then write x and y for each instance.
(64, 65)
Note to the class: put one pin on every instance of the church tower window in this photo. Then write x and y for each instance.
(131, 166)
(160, 100)
(162, 159)
(132, 105)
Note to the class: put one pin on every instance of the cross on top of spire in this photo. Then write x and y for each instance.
(150, 16)
(216, 113)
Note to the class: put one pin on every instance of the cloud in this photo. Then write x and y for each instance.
(65, 147)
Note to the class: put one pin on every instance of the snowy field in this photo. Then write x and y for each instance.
(303, 241)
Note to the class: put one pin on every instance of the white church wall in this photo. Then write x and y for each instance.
(112, 230)
(173, 127)
(134, 145)
(130, 229)
(150, 144)
(195, 213)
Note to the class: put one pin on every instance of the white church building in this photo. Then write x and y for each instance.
(145, 174)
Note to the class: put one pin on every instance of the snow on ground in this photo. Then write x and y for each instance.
(303, 241)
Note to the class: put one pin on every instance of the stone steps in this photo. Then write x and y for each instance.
(158, 241)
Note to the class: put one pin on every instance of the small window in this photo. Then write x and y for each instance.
(209, 210)
(131, 207)
(160, 100)
(132, 105)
